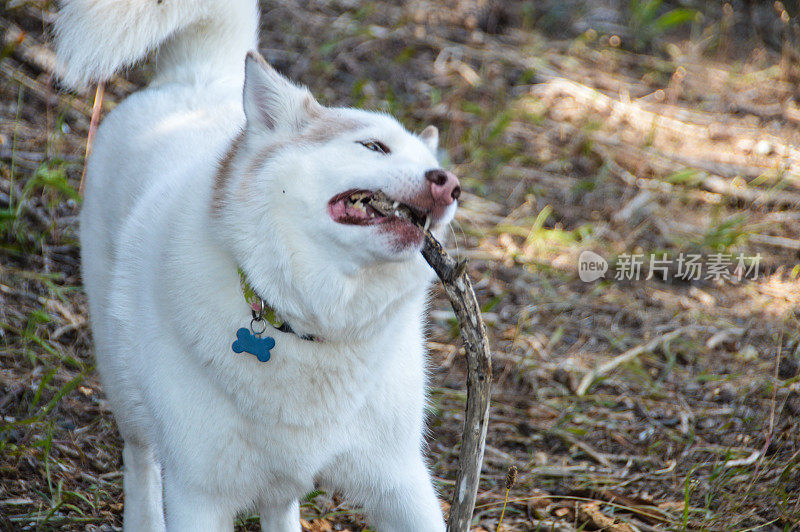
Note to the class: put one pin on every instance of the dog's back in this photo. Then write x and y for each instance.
(200, 47)
(183, 119)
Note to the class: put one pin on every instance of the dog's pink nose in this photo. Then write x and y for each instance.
(445, 187)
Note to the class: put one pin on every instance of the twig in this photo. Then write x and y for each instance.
(637, 116)
(73, 107)
(590, 511)
(750, 460)
(34, 156)
(458, 288)
(27, 49)
(98, 104)
(598, 457)
(648, 121)
(671, 162)
(627, 356)
(776, 241)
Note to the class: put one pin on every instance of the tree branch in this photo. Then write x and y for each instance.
(458, 288)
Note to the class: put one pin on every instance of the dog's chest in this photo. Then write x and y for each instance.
(310, 386)
(293, 418)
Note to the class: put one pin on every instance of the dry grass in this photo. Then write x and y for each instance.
(562, 145)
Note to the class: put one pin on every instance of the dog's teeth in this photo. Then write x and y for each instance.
(396, 213)
(395, 204)
(427, 223)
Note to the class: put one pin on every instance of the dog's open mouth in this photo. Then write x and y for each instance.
(365, 207)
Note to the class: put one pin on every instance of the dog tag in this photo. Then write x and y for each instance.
(248, 342)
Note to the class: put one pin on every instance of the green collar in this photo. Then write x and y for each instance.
(263, 311)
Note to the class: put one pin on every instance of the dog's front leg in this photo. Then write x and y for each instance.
(396, 491)
(405, 500)
(188, 508)
(279, 517)
(144, 510)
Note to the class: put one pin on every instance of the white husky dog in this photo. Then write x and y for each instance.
(194, 203)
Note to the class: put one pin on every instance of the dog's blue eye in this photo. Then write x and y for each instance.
(376, 146)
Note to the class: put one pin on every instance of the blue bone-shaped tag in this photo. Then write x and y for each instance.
(249, 343)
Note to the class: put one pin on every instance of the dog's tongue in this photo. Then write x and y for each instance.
(339, 210)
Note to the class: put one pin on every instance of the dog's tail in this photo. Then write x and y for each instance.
(95, 38)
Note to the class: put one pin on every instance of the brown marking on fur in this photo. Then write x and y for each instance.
(255, 164)
(323, 127)
(312, 108)
(264, 155)
(328, 126)
(223, 174)
(258, 58)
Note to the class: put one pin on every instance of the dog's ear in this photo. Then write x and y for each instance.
(430, 136)
(272, 102)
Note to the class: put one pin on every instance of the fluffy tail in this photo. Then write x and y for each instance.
(194, 38)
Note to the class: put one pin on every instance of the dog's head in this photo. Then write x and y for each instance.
(295, 187)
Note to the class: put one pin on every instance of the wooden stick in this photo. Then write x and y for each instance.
(458, 288)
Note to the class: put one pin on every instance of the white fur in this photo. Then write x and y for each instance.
(195, 38)
(220, 432)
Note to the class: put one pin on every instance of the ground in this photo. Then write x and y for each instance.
(663, 400)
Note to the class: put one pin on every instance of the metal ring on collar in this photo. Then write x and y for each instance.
(260, 320)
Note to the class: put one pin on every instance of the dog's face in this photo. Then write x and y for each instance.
(294, 192)
(377, 154)
(323, 164)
